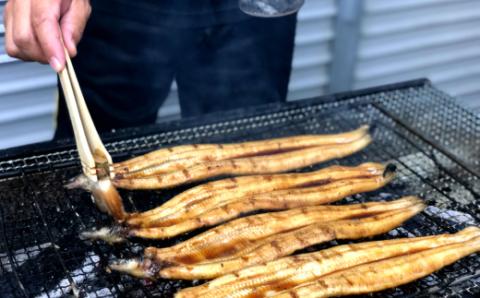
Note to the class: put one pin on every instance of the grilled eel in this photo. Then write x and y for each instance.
(233, 196)
(215, 211)
(207, 196)
(286, 273)
(180, 157)
(276, 163)
(279, 200)
(208, 261)
(384, 274)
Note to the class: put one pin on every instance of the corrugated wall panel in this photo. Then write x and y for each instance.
(17, 76)
(420, 38)
(312, 56)
(2, 7)
(26, 99)
(377, 6)
(436, 63)
(24, 104)
(401, 40)
(35, 128)
(431, 15)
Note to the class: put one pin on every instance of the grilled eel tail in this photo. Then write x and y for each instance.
(104, 194)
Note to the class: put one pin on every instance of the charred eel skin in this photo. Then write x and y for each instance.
(287, 273)
(206, 196)
(208, 255)
(181, 157)
(265, 164)
(384, 274)
(219, 201)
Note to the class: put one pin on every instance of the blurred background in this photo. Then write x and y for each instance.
(340, 45)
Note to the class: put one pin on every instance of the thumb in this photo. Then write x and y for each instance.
(73, 24)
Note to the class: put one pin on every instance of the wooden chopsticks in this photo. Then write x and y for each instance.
(96, 161)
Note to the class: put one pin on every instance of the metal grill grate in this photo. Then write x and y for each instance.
(435, 143)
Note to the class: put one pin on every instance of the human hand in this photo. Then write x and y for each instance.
(34, 29)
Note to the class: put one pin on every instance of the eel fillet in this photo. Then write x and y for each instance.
(180, 157)
(384, 274)
(208, 205)
(210, 261)
(286, 273)
(204, 197)
(279, 200)
(276, 163)
(118, 234)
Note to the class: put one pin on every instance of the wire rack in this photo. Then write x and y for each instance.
(435, 144)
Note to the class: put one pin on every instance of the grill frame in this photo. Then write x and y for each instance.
(437, 159)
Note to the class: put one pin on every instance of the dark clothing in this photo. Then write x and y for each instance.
(174, 13)
(132, 50)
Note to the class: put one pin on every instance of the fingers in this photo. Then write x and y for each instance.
(73, 24)
(45, 16)
(10, 46)
(23, 37)
(33, 29)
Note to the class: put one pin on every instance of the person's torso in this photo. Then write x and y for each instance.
(177, 13)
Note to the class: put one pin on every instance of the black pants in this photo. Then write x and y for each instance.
(126, 66)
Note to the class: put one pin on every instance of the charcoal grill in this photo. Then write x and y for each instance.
(434, 142)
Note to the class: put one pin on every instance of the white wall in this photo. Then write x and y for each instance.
(422, 38)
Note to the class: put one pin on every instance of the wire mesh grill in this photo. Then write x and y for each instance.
(434, 143)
